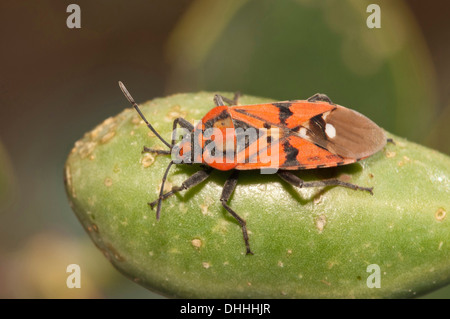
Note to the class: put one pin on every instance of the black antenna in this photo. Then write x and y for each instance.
(131, 100)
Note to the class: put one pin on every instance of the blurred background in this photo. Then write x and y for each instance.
(57, 83)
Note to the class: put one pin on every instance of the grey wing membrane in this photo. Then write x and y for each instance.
(344, 132)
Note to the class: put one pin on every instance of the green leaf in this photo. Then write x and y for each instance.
(308, 243)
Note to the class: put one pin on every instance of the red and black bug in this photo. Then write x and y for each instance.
(300, 134)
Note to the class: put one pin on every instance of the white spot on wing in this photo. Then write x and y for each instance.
(302, 132)
(330, 130)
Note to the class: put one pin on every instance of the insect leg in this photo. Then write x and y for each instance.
(390, 140)
(157, 152)
(220, 100)
(228, 189)
(320, 97)
(297, 182)
(158, 209)
(192, 181)
(183, 124)
(178, 121)
(236, 97)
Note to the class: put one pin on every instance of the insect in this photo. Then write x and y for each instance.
(302, 134)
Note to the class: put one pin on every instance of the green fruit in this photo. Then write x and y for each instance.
(308, 243)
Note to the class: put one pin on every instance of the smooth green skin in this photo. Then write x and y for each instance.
(308, 243)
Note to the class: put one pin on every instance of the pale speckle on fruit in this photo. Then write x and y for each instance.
(400, 144)
(206, 265)
(136, 120)
(404, 161)
(175, 112)
(331, 264)
(68, 179)
(390, 154)
(108, 182)
(147, 160)
(109, 121)
(112, 251)
(91, 201)
(325, 282)
(85, 148)
(320, 222)
(104, 132)
(167, 187)
(107, 137)
(182, 207)
(440, 214)
(317, 198)
(221, 226)
(204, 209)
(197, 243)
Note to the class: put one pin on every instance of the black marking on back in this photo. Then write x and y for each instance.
(240, 131)
(333, 156)
(285, 112)
(223, 115)
(266, 125)
(324, 148)
(242, 111)
(241, 124)
(291, 154)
